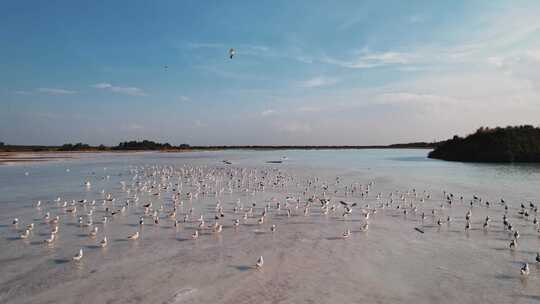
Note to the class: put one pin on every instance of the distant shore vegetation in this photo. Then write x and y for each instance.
(509, 144)
(148, 145)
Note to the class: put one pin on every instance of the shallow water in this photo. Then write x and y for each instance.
(306, 259)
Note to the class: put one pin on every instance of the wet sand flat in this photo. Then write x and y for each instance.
(306, 259)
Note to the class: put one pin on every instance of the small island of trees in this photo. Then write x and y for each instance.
(509, 144)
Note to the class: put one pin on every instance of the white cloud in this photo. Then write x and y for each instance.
(184, 98)
(55, 91)
(372, 59)
(132, 91)
(22, 92)
(268, 112)
(102, 86)
(318, 81)
(414, 98)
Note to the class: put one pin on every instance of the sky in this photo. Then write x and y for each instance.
(304, 73)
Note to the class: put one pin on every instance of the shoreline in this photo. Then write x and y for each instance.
(19, 157)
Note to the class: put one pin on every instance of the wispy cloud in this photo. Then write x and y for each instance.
(268, 112)
(318, 81)
(229, 74)
(184, 98)
(22, 92)
(371, 60)
(132, 91)
(411, 98)
(55, 91)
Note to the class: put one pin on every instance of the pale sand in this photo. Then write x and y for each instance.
(306, 261)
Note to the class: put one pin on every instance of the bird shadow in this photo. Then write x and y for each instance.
(121, 240)
(350, 220)
(92, 247)
(242, 267)
(260, 232)
(132, 225)
(502, 249)
(12, 238)
(60, 261)
(334, 238)
(81, 235)
(183, 239)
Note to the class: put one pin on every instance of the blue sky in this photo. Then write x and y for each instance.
(305, 72)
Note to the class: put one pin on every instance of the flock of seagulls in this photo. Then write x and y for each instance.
(168, 195)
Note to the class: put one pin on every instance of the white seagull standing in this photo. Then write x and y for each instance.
(103, 242)
(78, 256)
(260, 262)
(134, 236)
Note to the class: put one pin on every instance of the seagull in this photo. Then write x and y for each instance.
(94, 232)
(513, 244)
(134, 236)
(273, 228)
(538, 257)
(231, 53)
(15, 221)
(365, 227)
(347, 233)
(525, 269)
(103, 242)
(195, 235)
(25, 234)
(218, 228)
(78, 256)
(51, 239)
(260, 262)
